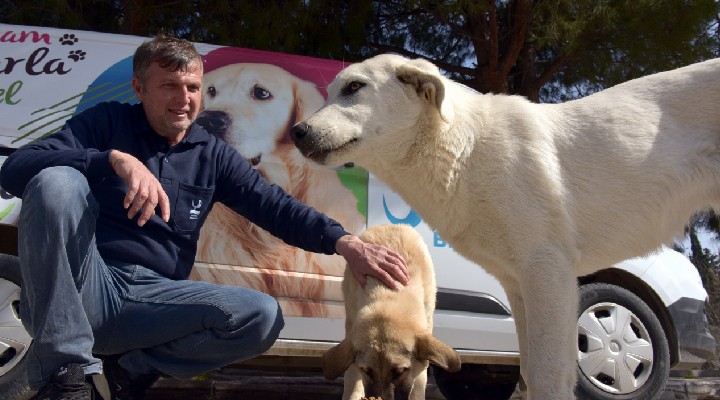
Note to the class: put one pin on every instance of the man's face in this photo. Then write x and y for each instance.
(171, 99)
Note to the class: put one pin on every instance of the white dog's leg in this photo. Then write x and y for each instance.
(551, 317)
(518, 313)
(418, 390)
(353, 388)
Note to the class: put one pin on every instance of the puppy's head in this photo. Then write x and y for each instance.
(374, 109)
(388, 357)
(253, 107)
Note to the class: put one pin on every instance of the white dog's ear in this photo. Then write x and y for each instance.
(337, 359)
(427, 347)
(425, 78)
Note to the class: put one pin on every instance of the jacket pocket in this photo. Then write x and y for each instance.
(191, 207)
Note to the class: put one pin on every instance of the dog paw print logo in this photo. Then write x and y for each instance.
(68, 39)
(77, 55)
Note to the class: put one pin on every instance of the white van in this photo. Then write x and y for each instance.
(637, 319)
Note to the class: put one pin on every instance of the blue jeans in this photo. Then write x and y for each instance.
(77, 305)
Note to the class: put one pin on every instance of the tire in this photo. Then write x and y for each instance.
(623, 351)
(477, 382)
(14, 339)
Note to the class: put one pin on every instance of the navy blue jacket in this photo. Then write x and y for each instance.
(197, 172)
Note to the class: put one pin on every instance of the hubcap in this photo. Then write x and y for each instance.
(614, 348)
(14, 339)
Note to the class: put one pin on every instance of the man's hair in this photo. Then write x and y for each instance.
(170, 52)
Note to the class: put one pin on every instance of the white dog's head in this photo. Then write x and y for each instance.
(369, 101)
(253, 107)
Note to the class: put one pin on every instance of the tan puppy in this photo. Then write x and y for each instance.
(388, 341)
(537, 194)
(252, 107)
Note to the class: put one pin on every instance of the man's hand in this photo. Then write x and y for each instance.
(144, 190)
(374, 260)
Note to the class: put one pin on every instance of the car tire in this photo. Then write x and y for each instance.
(477, 382)
(14, 339)
(623, 351)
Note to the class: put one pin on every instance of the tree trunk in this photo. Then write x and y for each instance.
(135, 20)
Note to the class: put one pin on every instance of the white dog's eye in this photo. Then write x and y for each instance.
(261, 93)
(211, 91)
(352, 87)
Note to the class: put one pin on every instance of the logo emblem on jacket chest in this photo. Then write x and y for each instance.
(195, 212)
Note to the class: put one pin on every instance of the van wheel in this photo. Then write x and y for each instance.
(14, 339)
(623, 351)
(478, 382)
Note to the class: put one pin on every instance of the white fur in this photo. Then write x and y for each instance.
(537, 194)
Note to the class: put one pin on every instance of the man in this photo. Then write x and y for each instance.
(107, 239)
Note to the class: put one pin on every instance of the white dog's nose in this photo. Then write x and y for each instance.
(299, 131)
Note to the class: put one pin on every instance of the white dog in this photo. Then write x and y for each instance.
(535, 193)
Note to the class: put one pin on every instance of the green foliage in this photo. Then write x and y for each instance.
(707, 263)
(610, 42)
(323, 28)
(547, 50)
(316, 28)
(79, 14)
(708, 266)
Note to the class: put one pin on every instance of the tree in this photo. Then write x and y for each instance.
(322, 28)
(547, 50)
(708, 264)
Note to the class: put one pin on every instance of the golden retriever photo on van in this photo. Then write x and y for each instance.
(388, 342)
(537, 194)
(252, 106)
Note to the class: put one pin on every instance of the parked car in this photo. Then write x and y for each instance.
(637, 319)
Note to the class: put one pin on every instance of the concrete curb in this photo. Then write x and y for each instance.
(318, 388)
(692, 389)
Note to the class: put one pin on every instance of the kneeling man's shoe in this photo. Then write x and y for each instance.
(68, 383)
(121, 386)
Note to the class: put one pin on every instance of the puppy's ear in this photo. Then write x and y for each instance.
(425, 78)
(429, 348)
(337, 359)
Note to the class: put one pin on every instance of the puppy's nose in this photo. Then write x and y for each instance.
(299, 131)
